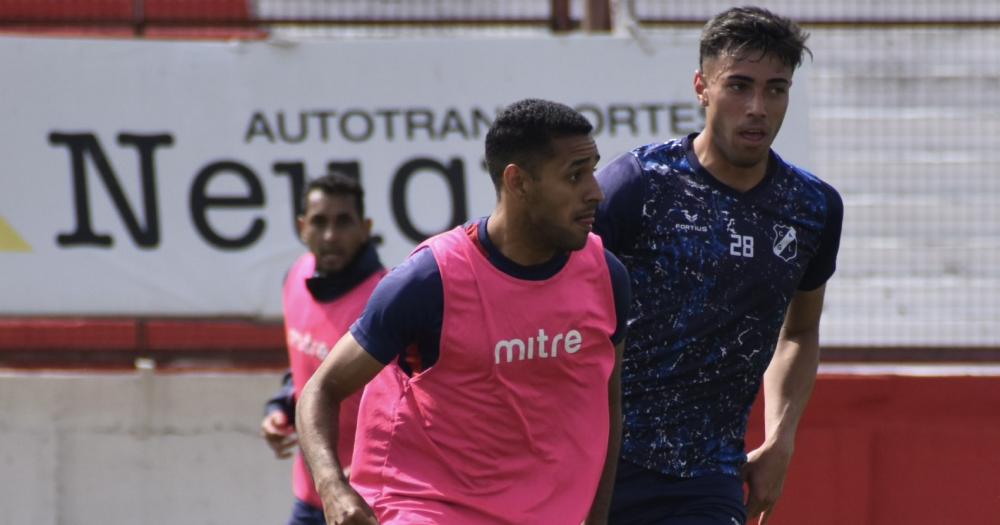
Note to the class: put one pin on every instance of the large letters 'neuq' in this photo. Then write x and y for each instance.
(146, 232)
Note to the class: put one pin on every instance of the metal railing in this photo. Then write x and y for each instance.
(255, 18)
(150, 17)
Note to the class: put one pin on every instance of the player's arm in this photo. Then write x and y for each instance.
(788, 383)
(619, 214)
(602, 500)
(347, 369)
(621, 287)
(279, 414)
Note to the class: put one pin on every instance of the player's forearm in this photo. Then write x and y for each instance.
(788, 384)
(602, 500)
(317, 416)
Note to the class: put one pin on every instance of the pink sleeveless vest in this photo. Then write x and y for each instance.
(511, 424)
(311, 330)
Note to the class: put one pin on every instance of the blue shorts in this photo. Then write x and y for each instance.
(305, 514)
(646, 497)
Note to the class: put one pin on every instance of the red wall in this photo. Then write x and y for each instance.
(885, 450)
(871, 450)
(189, 19)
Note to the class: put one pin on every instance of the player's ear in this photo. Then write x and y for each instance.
(300, 226)
(699, 87)
(366, 226)
(514, 178)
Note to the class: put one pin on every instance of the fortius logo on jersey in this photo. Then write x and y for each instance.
(535, 346)
(784, 242)
(685, 220)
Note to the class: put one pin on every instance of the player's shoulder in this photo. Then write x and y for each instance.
(447, 239)
(417, 274)
(671, 147)
(659, 156)
(621, 288)
(615, 266)
(810, 182)
(635, 166)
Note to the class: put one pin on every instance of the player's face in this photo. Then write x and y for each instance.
(333, 230)
(745, 102)
(563, 194)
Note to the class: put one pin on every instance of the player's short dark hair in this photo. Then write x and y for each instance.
(746, 31)
(337, 184)
(522, 134)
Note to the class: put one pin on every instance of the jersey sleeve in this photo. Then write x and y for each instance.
(621, 286)
(822, 266)
(405, 307)
(619, 215)
(284, 399)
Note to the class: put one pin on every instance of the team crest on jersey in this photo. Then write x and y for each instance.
(784, 242)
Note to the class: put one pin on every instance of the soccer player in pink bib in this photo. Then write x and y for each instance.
(324, 292)
(491, 355)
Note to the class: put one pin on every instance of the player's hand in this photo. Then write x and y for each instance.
(764, 475)
(348, 509)
(279, 433)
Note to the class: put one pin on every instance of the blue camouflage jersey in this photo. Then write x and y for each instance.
(713, 271)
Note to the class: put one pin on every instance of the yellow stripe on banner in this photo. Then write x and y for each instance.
(10, 241)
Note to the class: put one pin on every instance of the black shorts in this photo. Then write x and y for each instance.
(305, 514)
(646, 497)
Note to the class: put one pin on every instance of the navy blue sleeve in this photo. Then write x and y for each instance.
(823, 265)
(284, 399)
(621, 286)
(406, 308)
(619, 215)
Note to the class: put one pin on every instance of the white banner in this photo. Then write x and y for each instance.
(158, 178)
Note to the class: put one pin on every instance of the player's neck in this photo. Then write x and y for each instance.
(739, 178)
(515, 239)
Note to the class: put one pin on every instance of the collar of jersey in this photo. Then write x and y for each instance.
(329, 287)
(704, 174)
(535, 272)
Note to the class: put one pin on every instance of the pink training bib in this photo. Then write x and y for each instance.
(510, 425)
(311, 330)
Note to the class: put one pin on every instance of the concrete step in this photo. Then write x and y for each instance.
(908, 50)
(844, 131)
(927, 218)
(920, 67)
(878, 332)
(894, 257)
(860, 89)
(851, 175)
(900, 299)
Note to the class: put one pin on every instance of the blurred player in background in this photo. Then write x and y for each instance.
(494, 351)
(324, 292)
(729, 249)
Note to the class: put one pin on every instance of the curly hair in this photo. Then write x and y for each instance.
(522, 133)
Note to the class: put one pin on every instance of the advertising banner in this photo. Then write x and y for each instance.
(158, 178)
